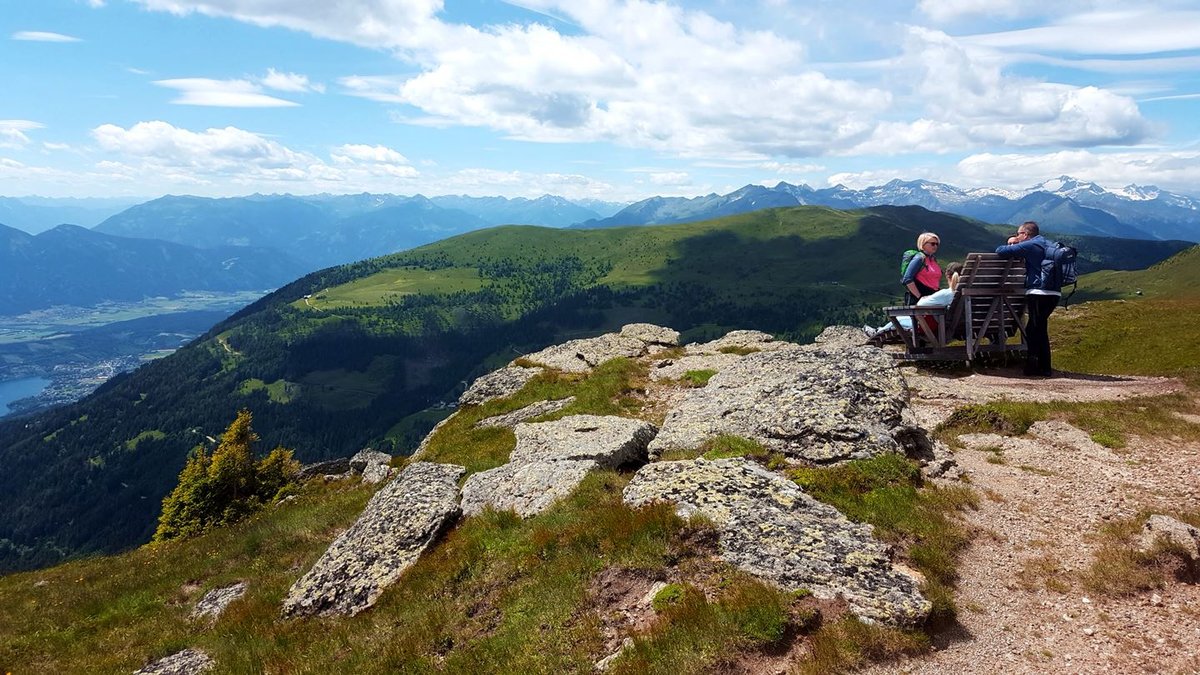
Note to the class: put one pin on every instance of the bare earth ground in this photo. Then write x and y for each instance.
(1039, 513)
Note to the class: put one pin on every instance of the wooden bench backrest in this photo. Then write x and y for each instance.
(987, 276)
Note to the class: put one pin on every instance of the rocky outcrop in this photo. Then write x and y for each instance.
(822, 405)
(580, 356)
(331, 467)
(1165, 530)
(498, 384)
(512, 419)
(841, 336)
(740, 341)
(552, 458)
(398, 524)
(651, 334)
(374, 466)
(770, 528)
(215, 601)
(675, 368)
(186, 662)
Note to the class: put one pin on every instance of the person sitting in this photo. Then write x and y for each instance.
(941, 298)
(923, 275)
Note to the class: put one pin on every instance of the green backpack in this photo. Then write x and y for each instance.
(906, 259)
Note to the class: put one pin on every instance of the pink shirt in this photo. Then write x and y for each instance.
(930, 274)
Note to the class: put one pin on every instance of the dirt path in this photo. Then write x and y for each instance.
(1043, 499)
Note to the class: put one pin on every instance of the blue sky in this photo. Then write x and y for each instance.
(606, 99)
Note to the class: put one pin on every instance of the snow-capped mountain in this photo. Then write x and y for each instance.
(1062, 204)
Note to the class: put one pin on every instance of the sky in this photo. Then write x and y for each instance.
(615, 100)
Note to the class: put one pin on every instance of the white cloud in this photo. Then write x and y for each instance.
(230, 151)
(1177, 170)
(42, 36)
(942, 11)
(12, 133)
(968, 90)
(290, 82)
(56, 147)
(1146, 30)
(378, 154)
(222, 93)
(670, 178)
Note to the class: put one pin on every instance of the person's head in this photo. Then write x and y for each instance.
(1027, 230)
(952, 272)
(928, 243)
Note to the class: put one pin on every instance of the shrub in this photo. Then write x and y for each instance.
(226, 486)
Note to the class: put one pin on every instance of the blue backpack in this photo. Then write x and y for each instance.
(1058, 268)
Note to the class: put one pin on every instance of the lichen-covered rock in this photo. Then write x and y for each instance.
(215, 601)
(822, 405)
(673, 369)
(400, 522)
(580, 356)
(772, 529)
(498, 384)
(740, 340)
(376, 473)
(525, 487)
(186, 662)
(512, 419)
(651, 334)
(1160, 529)
(841, 336)
(609, 440)
(363, 458)
(552, 458)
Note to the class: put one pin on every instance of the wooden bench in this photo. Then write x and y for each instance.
(988, 305)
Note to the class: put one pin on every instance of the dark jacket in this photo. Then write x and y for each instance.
(1033, 251)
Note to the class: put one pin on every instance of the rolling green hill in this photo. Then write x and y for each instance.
(356, 355)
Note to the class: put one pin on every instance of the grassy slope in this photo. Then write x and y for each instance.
(498, 594)
(1154, 333)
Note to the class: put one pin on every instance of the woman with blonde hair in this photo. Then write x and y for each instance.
(924, 275)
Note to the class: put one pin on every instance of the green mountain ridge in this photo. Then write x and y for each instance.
(353, 356)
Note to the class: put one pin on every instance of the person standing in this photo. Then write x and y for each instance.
(1041, 295)
(923, 275)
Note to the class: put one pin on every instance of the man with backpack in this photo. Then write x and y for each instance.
(1043, 288)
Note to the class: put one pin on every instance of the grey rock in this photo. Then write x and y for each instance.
(580, 356)
(651, 334)
(498, 384)
(215, 601)
(740, 339)
(186, 662)
(525, 487)
(610, 441)
(363, 458)
(673, 369)
(841, 336)
(376, 473)
(512, 419)
(1168, 530)
(399, 523)
(821, 405)
(772, 529)
(552, 458)
(326, 468)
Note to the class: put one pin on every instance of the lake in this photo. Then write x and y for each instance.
(12, 390)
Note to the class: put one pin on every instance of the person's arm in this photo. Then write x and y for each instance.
(910, 275)
(1012, 250)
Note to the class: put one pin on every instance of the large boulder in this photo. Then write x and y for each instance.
(737, 341)
(676, 368)
(651, 334)
(498, 384)
(821, 405)
(581, 356)
(772, 529)
(1160, 529)
(399, 523)
(552, 458)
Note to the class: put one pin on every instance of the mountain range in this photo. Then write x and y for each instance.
(1062, 205)
(77, 266)
(38, 214)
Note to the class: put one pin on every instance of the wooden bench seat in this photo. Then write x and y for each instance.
(988, 305)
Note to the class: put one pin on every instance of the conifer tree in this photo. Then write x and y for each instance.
(226, 486)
